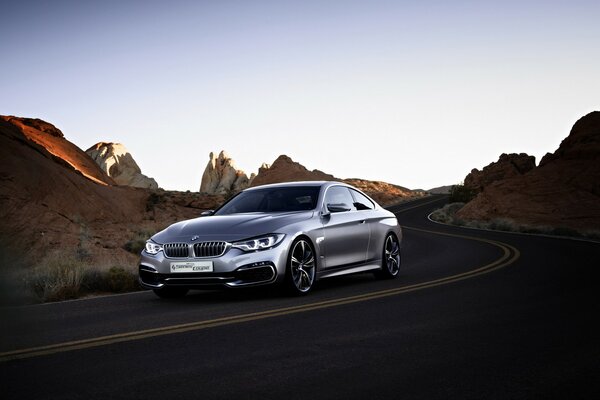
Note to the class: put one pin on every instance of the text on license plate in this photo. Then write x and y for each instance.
(192, 266)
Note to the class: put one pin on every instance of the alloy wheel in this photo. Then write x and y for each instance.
(392, 255)
(302, 266)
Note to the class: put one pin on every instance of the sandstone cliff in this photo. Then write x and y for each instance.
(117, 162)
(563, 191)
(221, 176)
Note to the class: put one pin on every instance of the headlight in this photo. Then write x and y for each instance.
(153, 248)
(259, 243)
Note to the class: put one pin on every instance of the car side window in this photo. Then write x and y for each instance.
(361, 202)
(339, 196)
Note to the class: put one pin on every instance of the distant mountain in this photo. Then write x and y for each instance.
(563, 191)
(284, 169)
(221, 176)
(440, 190)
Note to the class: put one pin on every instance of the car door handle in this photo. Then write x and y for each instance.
(363, 221)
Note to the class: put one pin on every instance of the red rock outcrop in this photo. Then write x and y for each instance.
(384, 193)
(284, 169)
(52, 140)
(563, 191)
(507, 166)
(50, 204)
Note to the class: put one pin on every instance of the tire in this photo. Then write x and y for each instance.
(170, 293)
(301, 269)
(390, 258)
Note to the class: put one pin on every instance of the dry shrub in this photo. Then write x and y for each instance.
(58, 278)
(61, 277)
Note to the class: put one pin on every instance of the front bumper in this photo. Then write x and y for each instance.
(233, 269)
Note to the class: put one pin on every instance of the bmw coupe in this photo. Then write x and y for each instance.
(288, 234)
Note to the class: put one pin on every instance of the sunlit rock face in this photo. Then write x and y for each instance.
(117, 162)
(221, 176)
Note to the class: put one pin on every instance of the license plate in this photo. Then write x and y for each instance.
(192, 266)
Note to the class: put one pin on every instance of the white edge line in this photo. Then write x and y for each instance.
(514, 233)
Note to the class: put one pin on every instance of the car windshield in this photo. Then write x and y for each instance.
(277, 199)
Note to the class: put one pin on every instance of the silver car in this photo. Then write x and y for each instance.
(288, 234)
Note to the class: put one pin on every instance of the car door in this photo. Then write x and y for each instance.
(365, 210)
(345, 232)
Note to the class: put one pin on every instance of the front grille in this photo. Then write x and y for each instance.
(209, 249)
(177, 250)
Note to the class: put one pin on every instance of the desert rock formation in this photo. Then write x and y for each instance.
(56, 201)
(563, 191)
(284, 169)
(507, 166)
(46, 135)
(221, 176)
(117, 162)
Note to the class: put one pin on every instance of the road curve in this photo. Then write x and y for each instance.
(473, 314)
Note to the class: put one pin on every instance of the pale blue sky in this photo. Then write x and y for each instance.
(413, 93)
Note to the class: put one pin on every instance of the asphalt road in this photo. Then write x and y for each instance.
(473, 315)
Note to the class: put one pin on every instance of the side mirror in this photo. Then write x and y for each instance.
(338, 207)
(207, 213)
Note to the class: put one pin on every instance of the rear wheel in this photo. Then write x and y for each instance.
(390, 263)
(170, 293)
(301, 268)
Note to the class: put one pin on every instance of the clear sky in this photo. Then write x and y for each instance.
(410, 92)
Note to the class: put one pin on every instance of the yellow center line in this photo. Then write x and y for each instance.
(509, 255)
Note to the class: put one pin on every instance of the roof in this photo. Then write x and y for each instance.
(301, 183)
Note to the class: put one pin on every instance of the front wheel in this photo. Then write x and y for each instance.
(301, 268)
(390, 263)
(170, 293)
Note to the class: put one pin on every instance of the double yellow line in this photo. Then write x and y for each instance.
(509, 255)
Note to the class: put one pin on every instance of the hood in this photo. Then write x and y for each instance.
(229, 227)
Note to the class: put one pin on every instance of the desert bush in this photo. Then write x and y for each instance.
(461, 194)
(447, 214)
(137, 243)
(59, 278)
(152, 200)
(504, 224)
(119, 280)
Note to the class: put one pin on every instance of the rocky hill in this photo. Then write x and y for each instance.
(440, 190)
(507, 166)
(62, 151)
(116, 161)
(384, 193)
(563, 191)
(284, 169)
(55, 199)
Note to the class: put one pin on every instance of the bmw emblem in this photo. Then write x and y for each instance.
(195, 237)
